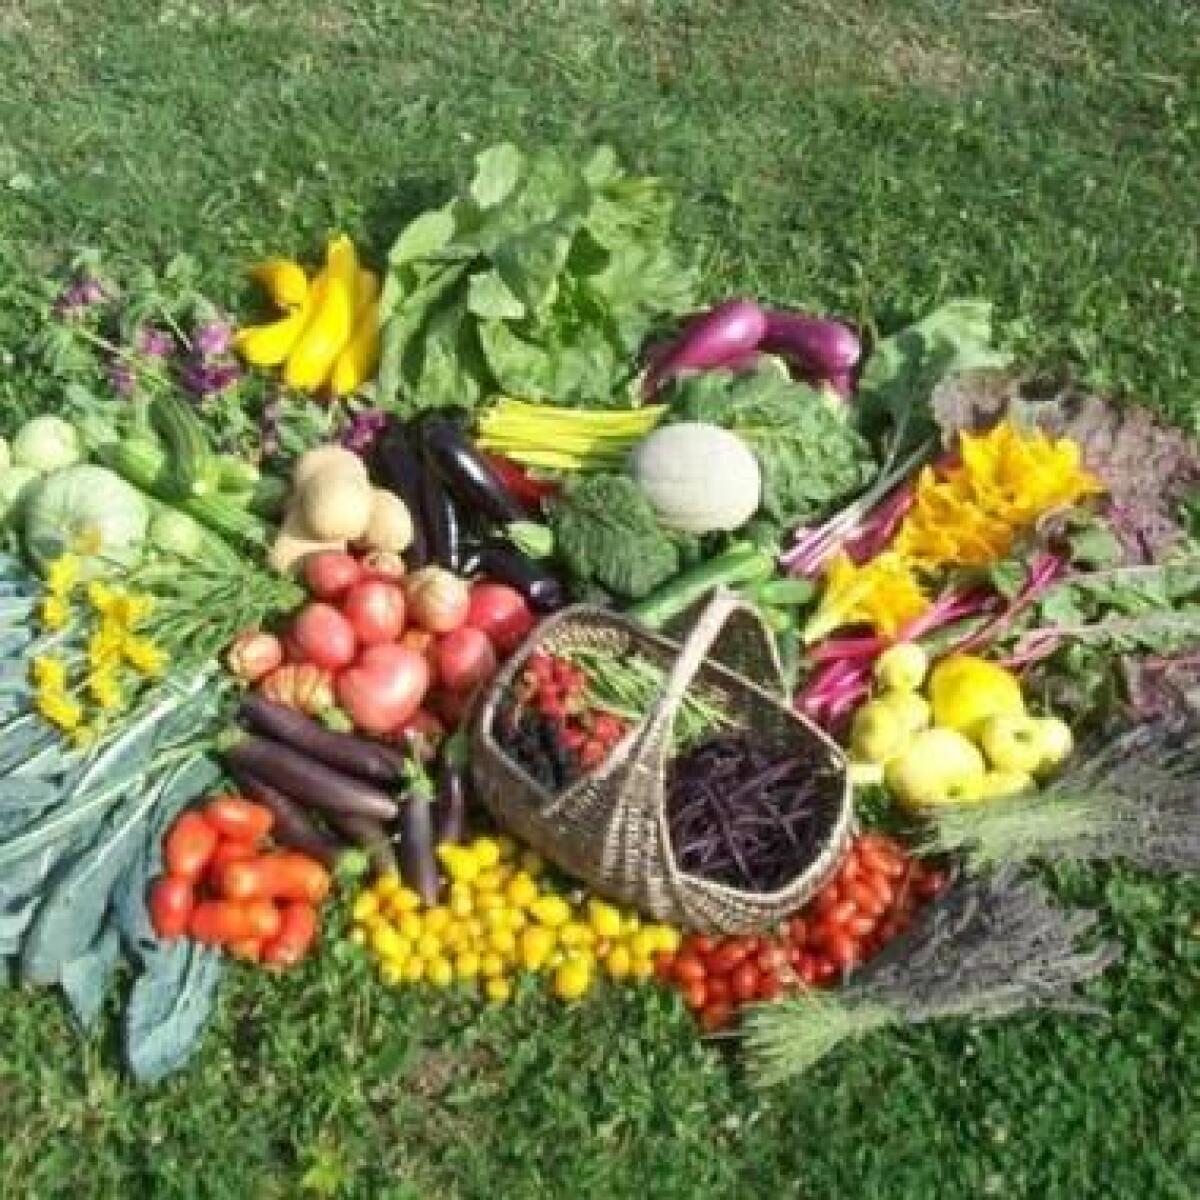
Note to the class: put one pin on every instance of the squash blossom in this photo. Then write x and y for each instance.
(883, 593)
(60, 710)
(970, 515)
(100, 597)
(105, 646)
(104, 689)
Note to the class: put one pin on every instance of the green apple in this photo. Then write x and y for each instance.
(1012, 742)
(912, 711)
(1056, 741)
(902, 668)
(876, 733)
(940, 766)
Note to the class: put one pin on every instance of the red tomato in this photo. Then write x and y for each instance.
(171, 902)
(727, 956)
(375, 609)
(718, 989)
(331, 574)
(263, 919)
(689, 969)
(219, 922)
(769, 986)
(501, 612)
(695, 995)
(247, 949)
(465, 659)
(796, 957)
(297, 933)
(188, 846)
(702, 943)
(797, 931)
(238, 820)
(824, 971)
(744, 982)
(324, 637)
(384, 688)
(227, 852)
(715, 1015)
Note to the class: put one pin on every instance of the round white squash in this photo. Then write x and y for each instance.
(699, 478)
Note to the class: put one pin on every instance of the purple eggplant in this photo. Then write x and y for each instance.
(723, 335)
(450, 808)
(823, 350)
(418, 864)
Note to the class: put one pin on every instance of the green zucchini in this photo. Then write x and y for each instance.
(194, 470)
(146, 467)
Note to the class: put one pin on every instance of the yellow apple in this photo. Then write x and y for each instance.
(911, 710)
(1011, 742)
(996, 784)
(1056, 742)
(902, 668)
(965, 690)
(939, 767)
(876, 733)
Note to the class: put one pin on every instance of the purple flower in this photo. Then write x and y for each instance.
(213, 339)
(360, 432)
(154, 343)
(122, 378)
(84, 293)
(209, 379)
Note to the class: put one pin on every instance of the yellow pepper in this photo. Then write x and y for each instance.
(356, 364)
(269, 345)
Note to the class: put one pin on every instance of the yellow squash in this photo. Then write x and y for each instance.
(269, 345)
(328, 330)
(357, 362)
(283, 280)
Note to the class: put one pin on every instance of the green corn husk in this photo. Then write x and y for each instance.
(988, 947)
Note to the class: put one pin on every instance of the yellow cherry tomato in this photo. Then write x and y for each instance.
(641, 969)
(384, 941)
(428, 945)
(536, 946)
(365, 905)
(644, 943)
(573, 979)
(467, 965)
(498, 991)
(414, 970)
(392, 974)
(437, 920)
(411, 925)
(486, 851)
(387, 885)
(404, 900)
(461, 902)
(461, 865)
(604, 919)
(575, 934)
(439, 972)
(618, 963)
(521, 891)
(491, 965)
(503, 942)
(486, 902)
(550, 910)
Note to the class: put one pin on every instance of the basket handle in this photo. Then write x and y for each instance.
(692, 654)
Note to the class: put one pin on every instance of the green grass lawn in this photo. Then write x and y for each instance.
(869, 156)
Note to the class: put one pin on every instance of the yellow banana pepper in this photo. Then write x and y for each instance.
(328, 330)
(269, 345)
(357, 362)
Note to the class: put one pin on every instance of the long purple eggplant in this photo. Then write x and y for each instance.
(723, 335)
(306, 780)
(345, 751)
(450, 807)
(418, 865)
(822, 349)
(370, 837)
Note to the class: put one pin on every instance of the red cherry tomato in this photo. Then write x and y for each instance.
(718, 989)
(859, 926)
(744, 982)
(689, 969)
(827, 899)
(375, 610)
(769, 986)
(695, 995)
(715, 1015)
(771, 959)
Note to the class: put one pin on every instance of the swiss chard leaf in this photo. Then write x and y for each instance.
(86, 978)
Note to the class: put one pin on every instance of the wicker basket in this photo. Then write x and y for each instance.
(609, 828)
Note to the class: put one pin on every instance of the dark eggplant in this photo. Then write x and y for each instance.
(292, 825)
(397, 467)
(306, 780)
(504, 563)
(359, 756)
(418, 865)
(450, 810)
(467, 473)
(440, 517)
(369, 836)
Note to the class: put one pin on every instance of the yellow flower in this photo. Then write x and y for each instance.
(144, 656)
(62, 575)
(883, 593)
(104, 688)
(83, 736)
(131, 609)
(105, 646)
(100, 596)
(50, 673)
(60, 710)
(54, 612)
(1007, 479)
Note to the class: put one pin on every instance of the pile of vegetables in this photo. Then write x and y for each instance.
(242, 633)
